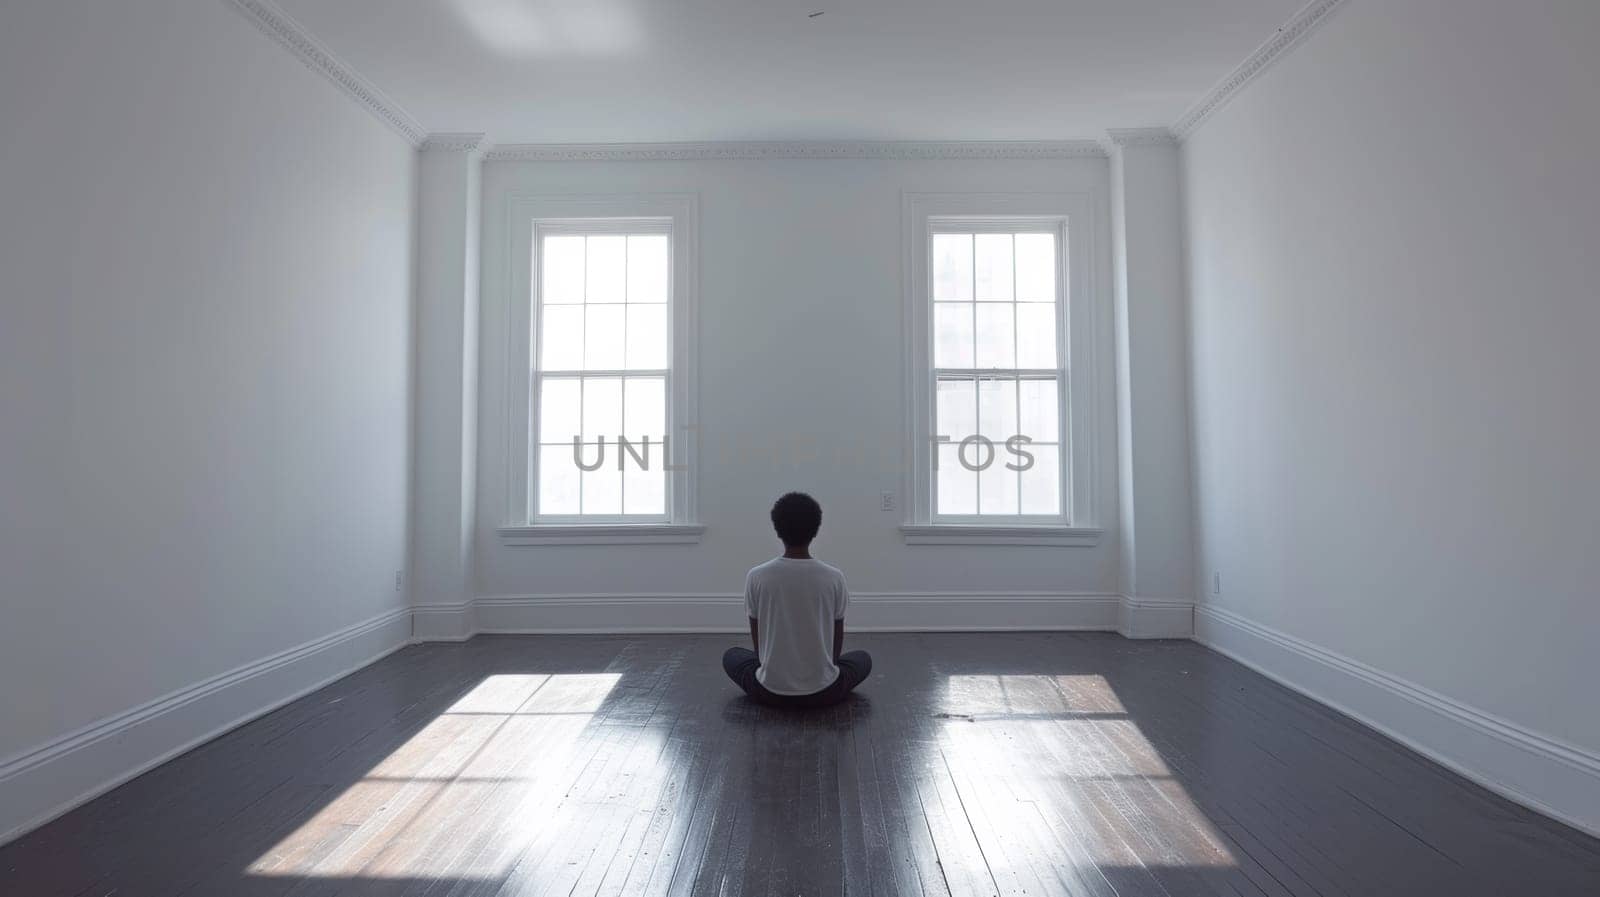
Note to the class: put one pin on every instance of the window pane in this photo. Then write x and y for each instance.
(558, 480)
(603, 335)
(957, 413)
(1041, 483)
(993, 267)
(1036, 335)
(647, 268)
(640, 454)
(644, 408)
(647, 337)
(561, 342)
(602, 488)
(563, 269)
(1039, 411)
(1036, 267)
(997, 411)
(607, 268)
(644, 489)
(957, 486)
(952, 266)
(952, 334)
(559, 403)
(602, 409)
(997, 485)
(996, 337)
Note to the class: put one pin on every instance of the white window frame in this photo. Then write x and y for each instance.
(1071, 217)
(531, 217)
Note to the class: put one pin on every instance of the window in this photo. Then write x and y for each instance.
(602, 372)
(997, 380)
(605, 291)
(991, 319)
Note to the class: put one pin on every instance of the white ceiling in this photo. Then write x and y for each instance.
(558, 71)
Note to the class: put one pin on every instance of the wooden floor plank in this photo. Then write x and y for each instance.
(1073, 764)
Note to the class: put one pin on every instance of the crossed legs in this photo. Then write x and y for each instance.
(741, 664)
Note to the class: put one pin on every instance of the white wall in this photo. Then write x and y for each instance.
(800, 334)
(1393, 274)
(205, 260)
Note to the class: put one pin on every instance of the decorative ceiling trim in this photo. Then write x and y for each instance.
(460, 143)
(1142, 137)
(286, 31)
(1287, 38)
(805, 149)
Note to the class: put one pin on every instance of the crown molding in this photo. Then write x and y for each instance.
(1287, 38)
(689, 152)
(459, 143)
(1142, 137)
(292, 36)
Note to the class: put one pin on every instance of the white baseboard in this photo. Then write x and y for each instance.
(869, 612)
(443, 622)
(983, 612)
(609, 613)
(1560, 780)
(44, 782)
(1155, 618)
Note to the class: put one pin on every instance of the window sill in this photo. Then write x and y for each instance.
(603, 534)
(966, 534)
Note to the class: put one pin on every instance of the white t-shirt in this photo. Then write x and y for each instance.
(795, 601)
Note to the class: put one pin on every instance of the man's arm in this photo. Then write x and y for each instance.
(755, 634)
(838, 638)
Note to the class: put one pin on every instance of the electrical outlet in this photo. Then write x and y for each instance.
(1216, 583)
(887, 502)
(397, 580)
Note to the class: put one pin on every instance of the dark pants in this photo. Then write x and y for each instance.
(741, 664)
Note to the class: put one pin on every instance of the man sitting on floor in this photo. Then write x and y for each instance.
(796, 605)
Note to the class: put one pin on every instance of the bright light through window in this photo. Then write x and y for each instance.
(998, 372)
(602, 374)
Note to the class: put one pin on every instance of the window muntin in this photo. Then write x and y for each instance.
(602, 373)
(998, 377)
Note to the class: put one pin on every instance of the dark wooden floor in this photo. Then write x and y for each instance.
(1034, 764)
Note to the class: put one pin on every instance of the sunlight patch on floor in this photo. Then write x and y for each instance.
(987, 695)
(998, 733)
(522, 728)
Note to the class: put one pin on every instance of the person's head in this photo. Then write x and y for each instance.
(796, 517)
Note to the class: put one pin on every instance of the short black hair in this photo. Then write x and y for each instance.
(797, 517)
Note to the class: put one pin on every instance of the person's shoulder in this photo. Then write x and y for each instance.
(763, 569)
(831, 571)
